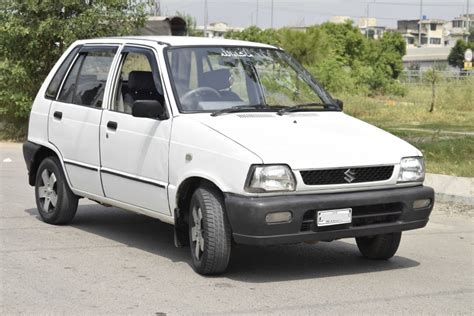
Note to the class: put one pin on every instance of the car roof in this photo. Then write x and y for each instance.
(177, 41)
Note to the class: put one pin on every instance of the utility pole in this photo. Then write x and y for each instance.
(468, 22)
(419, 23)
(367, 22)
(256, 16)
(157, 8)
(271, 17)
(205, 18)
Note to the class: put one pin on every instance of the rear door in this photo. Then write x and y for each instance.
(134, 151)
(75, 115)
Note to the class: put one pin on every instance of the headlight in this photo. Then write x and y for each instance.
(412, 169)
(270, 178)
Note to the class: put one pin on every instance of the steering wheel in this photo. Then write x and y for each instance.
(190, 98)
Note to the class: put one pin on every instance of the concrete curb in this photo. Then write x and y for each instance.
(451, 189)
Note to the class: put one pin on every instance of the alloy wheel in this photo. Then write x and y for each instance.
(197, 233)
(47, 193)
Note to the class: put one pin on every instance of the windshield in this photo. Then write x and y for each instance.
(208, 79)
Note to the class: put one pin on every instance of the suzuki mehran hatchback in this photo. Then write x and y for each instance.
(229, 141)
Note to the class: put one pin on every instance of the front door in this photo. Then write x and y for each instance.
(134, 151)
(75, 116)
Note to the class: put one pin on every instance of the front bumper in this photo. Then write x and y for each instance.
(373, 213)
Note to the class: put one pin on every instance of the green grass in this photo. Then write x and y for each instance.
(450, 156)
(454, 107)
(444, 153)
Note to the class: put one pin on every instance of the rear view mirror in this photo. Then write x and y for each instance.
(148, 109)
(340, 104)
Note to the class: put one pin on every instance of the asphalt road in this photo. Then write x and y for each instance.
(112, 261)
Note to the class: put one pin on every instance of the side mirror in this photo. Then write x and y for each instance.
(340, 104)
(148, 108)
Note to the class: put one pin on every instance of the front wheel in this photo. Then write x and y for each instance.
(379, 247)
(209, 232)
(55, 201)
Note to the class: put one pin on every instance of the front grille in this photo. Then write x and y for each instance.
(361, 216)
(346, 175)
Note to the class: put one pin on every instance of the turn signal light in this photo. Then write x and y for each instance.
(279, 217)
(421, 203)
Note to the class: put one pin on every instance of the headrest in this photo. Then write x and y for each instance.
(141, 81)
(216, 79)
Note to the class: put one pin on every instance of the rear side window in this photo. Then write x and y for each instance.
(69, 87)
(53, 87)
(86, 81)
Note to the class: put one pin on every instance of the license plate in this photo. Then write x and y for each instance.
(334, 217)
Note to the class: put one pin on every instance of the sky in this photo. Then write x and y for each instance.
(243, 13)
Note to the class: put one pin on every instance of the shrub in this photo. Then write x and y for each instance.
(33, 34)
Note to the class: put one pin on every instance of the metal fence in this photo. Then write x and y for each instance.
(416, 76)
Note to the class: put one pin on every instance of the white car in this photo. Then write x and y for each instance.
(229, 141)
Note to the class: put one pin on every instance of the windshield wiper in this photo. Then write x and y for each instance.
(304, 107)
(238, 108)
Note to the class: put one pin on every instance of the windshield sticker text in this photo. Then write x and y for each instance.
(236, 53)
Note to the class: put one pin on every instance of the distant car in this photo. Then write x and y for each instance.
(229, 141)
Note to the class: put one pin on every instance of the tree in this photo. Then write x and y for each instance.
(335, 77)
(456, 56)
(339, 55)
(432, 76)
(255, 34)
(392, 49)
(190, 24)
(34, 34)
(346, 40)
(309, 47)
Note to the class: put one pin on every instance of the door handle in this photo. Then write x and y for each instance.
(112, 125)
(58, 115)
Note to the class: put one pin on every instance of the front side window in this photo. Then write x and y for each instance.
(87, 78)
(218, 78)
(138, 80)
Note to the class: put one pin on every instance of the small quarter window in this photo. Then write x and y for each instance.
(53, 87)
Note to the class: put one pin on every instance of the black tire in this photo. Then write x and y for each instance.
(379, 247)
(213, 256)
(59, 210)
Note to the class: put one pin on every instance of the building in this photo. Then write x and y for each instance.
(375, 32)
(463, 21)
(432, 32)
(368, 27)
(367, 22)
(340, 19)
(458, 29)
(422, 58)
(217, 29)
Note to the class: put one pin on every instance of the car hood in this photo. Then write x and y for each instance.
(311, 139)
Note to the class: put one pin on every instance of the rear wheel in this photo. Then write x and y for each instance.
(379, 247)
(55, 201)
(209, 232)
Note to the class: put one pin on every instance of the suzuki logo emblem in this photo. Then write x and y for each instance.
(350, 175)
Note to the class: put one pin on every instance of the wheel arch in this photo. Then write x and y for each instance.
(34, 154)
(187, 188)
(183, 198)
